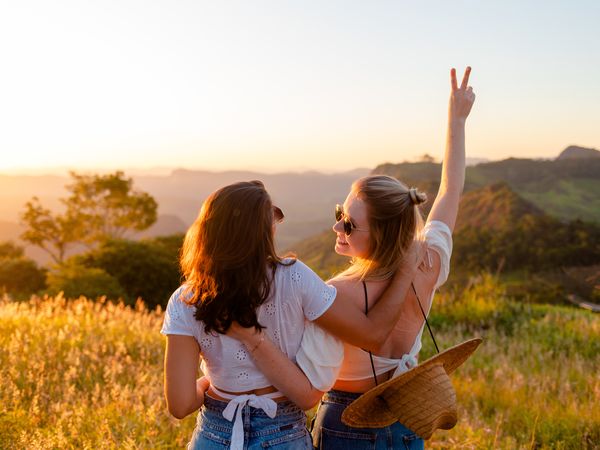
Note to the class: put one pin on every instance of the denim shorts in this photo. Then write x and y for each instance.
(287, 430)
(331, 434)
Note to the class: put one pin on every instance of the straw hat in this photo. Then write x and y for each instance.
(422, 399)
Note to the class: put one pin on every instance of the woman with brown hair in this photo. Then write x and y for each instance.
(234, 276)
(376, 226)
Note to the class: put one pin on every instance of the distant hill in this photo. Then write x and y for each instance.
(318, 253)
(307, 198)
(165, 225)
(574, 152)
(564, 188)
(493, 207)
(495, 227)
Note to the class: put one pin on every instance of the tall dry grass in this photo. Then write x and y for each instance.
(85, 374)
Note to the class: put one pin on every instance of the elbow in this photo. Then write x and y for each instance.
(375, 342)
(177, 410)
(178, 413)
(309, 401)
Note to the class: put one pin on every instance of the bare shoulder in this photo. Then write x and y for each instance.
(343, 283)
(347, 288)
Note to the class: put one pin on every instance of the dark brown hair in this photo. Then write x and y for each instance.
(228, 257)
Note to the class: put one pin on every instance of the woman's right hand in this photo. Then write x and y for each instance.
(461, 98)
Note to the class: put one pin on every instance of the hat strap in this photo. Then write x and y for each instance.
(424, 316)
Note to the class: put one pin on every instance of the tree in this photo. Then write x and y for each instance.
(19, 275)
(109, 206)
(427, 158)
(100, 207)
(54, 233)
(148, 269)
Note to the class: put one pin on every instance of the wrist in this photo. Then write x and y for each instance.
(257, 344)
(456, 122)
(252, 339)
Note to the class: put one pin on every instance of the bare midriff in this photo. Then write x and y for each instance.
(361, 386)
(258, 392)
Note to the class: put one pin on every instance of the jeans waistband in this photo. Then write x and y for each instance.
(340, 397)
(283, 408)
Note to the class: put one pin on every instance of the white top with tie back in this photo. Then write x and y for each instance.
(320, 352)
(297, 295)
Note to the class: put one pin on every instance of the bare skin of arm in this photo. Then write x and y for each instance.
(345, 318)
(183, 392)
(277, 367)
(348, 321)
(445, 206)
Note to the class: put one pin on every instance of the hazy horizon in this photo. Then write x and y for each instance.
(278, 86)
(167, 170)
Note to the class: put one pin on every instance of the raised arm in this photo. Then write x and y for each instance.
(445, 206)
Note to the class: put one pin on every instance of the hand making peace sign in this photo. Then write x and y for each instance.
(461, 99)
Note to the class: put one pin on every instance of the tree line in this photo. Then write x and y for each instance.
(100, 215)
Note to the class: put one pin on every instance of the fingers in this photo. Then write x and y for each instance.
(465, 80)
(453, 79)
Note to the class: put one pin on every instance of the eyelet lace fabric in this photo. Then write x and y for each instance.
(298, 295)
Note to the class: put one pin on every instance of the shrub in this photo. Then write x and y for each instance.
(19, 275)
(75, 280)
(148, 269)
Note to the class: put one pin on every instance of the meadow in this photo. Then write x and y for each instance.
(88, 374)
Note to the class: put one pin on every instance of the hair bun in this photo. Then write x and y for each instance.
(416, 197)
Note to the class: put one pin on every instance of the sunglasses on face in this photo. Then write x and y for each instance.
(278, 215)
(348, 225)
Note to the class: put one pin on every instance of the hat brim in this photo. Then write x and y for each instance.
(427, 382)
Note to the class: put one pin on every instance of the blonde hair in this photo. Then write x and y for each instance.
(394, 222)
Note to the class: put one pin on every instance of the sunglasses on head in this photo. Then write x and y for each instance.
(348, 225)
(278, 215)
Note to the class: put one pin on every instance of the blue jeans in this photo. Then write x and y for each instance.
(287, 430)
(330, 433)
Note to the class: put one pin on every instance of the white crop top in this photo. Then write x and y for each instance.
(317, 354)
(297, 295)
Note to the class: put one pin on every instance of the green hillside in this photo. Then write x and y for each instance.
(319, 254)
(493, 207)
(498, 229)
(564, 188)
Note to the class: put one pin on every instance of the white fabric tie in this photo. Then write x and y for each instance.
(406, 363)
(235, 407)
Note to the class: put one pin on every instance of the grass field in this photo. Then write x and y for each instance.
(84, 374)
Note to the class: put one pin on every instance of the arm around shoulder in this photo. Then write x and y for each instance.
(348, 322)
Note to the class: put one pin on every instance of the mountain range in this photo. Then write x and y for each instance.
(565, 188)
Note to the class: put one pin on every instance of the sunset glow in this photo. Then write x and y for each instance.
(275, 85)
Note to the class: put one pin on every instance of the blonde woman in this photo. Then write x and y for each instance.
(375, 226)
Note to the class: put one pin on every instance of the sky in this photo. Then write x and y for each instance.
(281, 85)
